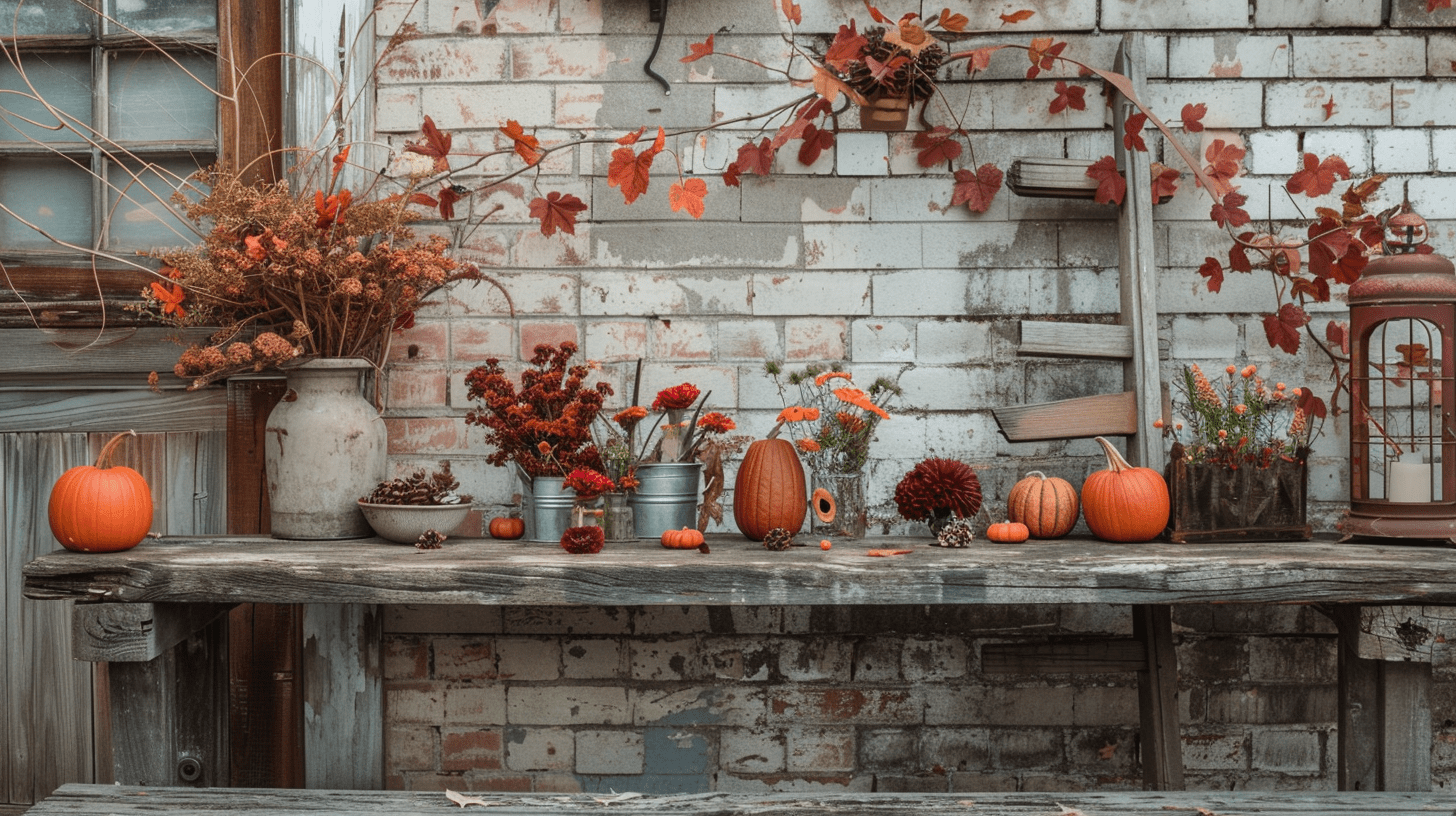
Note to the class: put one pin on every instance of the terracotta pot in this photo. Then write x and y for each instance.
(885, 113)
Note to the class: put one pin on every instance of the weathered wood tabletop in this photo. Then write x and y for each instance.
(738, 571)
(109, 800)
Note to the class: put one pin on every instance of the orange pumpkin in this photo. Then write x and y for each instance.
(102, 508)
(1008, 532)
(769, 491)
(1124, 503)
(508, 528)
(822, 503)
(685, 539)
(1047, 505)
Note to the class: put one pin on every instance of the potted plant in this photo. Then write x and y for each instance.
(1242, 474)
(418, 509)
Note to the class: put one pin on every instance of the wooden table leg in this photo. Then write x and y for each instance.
(1162, 748)
(1385, 716)
(343, 697)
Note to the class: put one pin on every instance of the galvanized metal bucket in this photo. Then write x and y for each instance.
(548, 507)
(666, 498)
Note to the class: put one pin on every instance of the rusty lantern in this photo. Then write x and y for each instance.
(1403, 391)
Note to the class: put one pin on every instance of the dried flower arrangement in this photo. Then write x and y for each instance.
(545, 427)
(937, 489)
(287, 274)
(419, 488)
(1242, 421)
(835, 422)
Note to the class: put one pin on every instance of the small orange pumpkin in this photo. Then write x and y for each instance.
(1047, 505)
(102, 508)
(685, 539)
(1124, 503)
(1008, 532)
(508, 528)
(824, 506)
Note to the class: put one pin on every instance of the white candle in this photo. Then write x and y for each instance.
(1408, 481)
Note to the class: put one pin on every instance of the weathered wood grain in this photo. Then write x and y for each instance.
(228, 569)
(343, 712)
(127, 350)
(100, 800)
(1098, 415)
(1075, 339)
(135, 632)
(111, 410)
(1162, 748)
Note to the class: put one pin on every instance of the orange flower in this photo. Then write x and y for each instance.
(171, 298)
(807, 445)
(628, 417)
(1248, 371)
(849, 422)
(544, 448)
(793, 413)
(1231, 369)
(832, 375)
(715, 422)
(811, 414)
(1241, 409)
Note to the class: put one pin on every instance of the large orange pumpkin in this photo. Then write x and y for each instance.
(1124, 503)
(1047, 505)
(769, 491)
(101, 508)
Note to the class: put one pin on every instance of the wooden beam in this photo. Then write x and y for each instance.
(343, 717)
(136, 632)
(1101, 415)
(1162, 745)
(1385, 716)
(1075, 339)
(1100, 656)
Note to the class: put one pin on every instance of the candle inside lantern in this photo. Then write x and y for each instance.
(1408, 479)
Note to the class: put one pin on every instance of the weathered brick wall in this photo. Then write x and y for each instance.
(860, 258)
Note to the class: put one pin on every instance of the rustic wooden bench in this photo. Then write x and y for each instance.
(111, 800)
(152, 613)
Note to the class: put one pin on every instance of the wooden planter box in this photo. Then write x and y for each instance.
(1216, 503)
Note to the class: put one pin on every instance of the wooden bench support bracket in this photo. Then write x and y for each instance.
(1162, 747)
(1385, 713)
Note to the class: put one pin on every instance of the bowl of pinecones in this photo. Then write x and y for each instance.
(420, 509)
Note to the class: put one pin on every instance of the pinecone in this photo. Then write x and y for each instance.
(420, 488)
(430, 540)
(956, 533)
(778, 539)
(914, 78)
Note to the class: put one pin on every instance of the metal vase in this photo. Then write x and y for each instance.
(324, 448)
(666, 497)
(548, 509)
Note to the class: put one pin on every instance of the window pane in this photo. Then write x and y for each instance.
(141, 213)
(44, 17)
(63, 80)
(173, 17)
(154, 98)
(53, 194)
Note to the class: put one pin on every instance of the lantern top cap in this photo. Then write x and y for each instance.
(1408, 231)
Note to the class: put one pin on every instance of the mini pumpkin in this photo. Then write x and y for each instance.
(822, 502)
(1008, 532)
(685, 539)
(508, 528)
(1124, 503)
(99, 509)
(1047, 505)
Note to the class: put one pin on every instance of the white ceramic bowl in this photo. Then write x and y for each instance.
(405, 523)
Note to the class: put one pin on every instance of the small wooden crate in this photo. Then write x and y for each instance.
(1217, 503)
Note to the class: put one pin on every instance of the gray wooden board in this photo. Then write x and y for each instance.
(96, 800)
(229, 569)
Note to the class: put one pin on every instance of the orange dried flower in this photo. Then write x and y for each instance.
(628, 417)
(793, 413)
(832, 375)
(807, 445)
(715, 422)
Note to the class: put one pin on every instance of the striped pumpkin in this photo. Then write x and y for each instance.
(1047, 505)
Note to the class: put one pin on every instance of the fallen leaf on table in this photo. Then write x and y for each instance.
(462, 800)
(620, 797)
(886, 553)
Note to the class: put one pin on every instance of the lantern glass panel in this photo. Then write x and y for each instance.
(1404, 395)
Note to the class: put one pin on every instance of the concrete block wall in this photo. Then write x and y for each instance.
(860, 258)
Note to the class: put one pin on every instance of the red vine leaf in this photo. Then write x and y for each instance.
(1193, 117)
(755, 158)
(875, 14)
(1358, 195)
(953, 22)
(1229, 211)
(847, 47)
(793, 12)
(1165, 181)
(1043, 53)
(816, 141)
(436, 145)
(1282, 329)
(688, 195)
(526, 145)
(630, 171)
(730, 175)
(1224, 161)
(976, 190)
(1212, 270)
(1337, 333)
(1017, 16)
(449, 194)
(1316, 289)
(1311, 405)
(1239, 256)
(697, 51)
(1132, 133)
(1068, 96)
(937, 145)
(631, 138)
(1317, 177)
(1111, 186)
(557, 212)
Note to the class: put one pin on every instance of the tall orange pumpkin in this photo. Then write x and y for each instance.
(1124, 503)
(1047, 505)
(769, 491)
(102, 508)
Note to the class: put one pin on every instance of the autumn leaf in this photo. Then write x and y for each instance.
(631, 171)
(977, 190)
(1356, 196)
(688, 195)
(1239, 256)
(875, 14)
(953, 22)
(1132, 133)
(697, 51)
(339, 161)
(1193, 117)
(557, 212)
(886, 553)
(171, 298)
(1282, 329)
(527, 146)
(1229, 211)
(449, 194)
(980, 59)
(847, 47)
(829, 86)
(1317, 177)
(1316, 289)
(1337, 334)
(1311, 405)
(436, 145)
(793, 129)
(792, 12)
(1068, 96)
(331, 209)
(1165, 181)
(631, 138)
(1043, 54)
(1111, 186)
(1329, 108)
(1224, 161)
(730, 175)
(937, 145)
(1017, 16)
(1212, 271)
(816, 141)
(755, 159)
